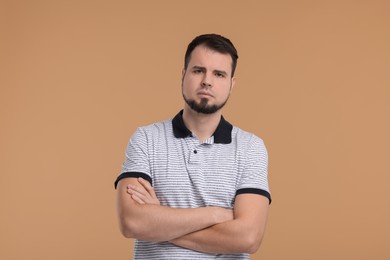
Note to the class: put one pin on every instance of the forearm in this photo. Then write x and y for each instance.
(228, 237)
(243, 234)
(152, 222)
(160, 223)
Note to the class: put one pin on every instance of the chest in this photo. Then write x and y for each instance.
(188, 174)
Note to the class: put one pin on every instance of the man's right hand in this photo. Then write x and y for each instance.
(223, 214)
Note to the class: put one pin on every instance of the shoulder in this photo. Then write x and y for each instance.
(247, 138)
(153, 132)
(155, 128)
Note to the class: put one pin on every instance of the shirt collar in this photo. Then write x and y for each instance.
(222, 135)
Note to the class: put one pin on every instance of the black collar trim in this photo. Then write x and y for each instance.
(222, 135)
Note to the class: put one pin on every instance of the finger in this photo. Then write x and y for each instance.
(137, 199)
(132, 189)
(146, 185)
(139, 194)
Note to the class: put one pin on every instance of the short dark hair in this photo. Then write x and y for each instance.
(214, 42)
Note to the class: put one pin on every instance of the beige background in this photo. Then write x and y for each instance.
(77, 78)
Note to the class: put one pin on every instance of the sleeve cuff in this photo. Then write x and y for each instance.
(255, 191)
(133, 175)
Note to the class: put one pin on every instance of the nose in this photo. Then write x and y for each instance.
(206, 82)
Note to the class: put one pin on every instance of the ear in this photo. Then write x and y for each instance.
(183, 72)
(233, 82)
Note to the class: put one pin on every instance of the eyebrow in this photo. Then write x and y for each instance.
(204, 69)
(198, 68)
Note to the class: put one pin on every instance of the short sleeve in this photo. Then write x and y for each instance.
(254, 178)
(136, 162)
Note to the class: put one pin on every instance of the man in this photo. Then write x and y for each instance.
(195, 187)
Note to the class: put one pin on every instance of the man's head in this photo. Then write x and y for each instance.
(213, 42)
(208, 71)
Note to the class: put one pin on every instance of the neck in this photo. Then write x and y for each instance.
(202, 125)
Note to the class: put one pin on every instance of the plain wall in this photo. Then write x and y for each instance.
(78, 77)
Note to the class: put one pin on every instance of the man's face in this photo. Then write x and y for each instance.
(207, 82)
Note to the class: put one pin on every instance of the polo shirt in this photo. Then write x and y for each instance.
(187, 173)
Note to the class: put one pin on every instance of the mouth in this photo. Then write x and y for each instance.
(204, 94)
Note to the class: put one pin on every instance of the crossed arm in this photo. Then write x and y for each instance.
(206, 229)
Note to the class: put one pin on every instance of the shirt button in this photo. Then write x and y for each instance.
(195, 151)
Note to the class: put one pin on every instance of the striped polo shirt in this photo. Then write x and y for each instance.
(187, 173)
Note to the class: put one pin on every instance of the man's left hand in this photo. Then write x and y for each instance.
(144, 194)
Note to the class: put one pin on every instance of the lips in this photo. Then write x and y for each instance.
(202, 93)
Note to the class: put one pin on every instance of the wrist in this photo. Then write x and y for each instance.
(221, 215)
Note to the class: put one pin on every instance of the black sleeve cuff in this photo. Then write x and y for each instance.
(133, 175)
(255, 191)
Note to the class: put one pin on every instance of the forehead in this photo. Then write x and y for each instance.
(210, 59)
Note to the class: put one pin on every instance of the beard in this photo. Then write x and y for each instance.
(203, 105)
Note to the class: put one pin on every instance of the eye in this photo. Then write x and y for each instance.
(197, 71)
(219, 75)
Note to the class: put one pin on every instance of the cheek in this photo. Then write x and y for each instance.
(185, 88)
(188, 84)
(226, 90)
